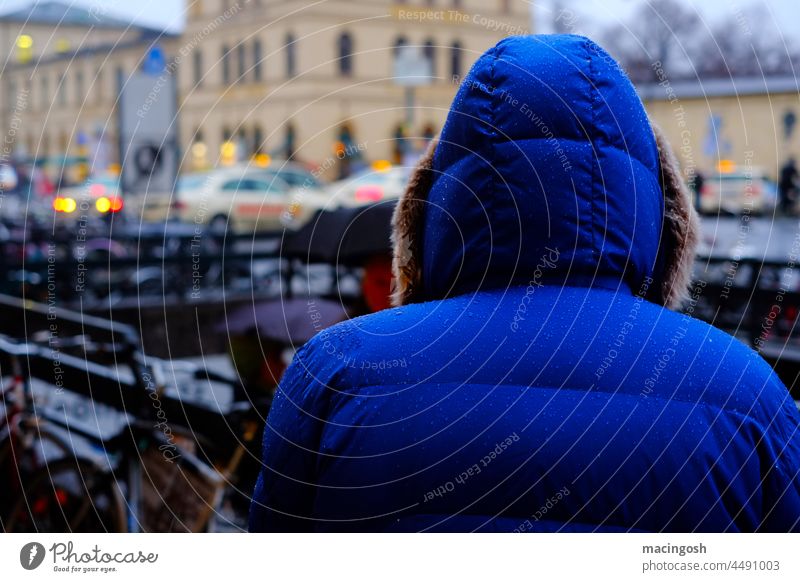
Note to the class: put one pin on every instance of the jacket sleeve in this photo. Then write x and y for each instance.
(283, 500)
(780, 458)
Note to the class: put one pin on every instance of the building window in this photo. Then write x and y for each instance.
(11, 97)
(258, 140)
(226, 65)
(62, 89)
(291, 56)
(346, 54)
(241, 61)
(197, 65)
(79, 93)
(346, 150)
(289, 141)
(242, 145)
(257, 75)
(430, 55)
(455, 59)
(99, 87)
(46, 97)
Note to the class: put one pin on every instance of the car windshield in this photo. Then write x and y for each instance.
(191, 182)
(104, 181)
(295, 178)
(373, 177)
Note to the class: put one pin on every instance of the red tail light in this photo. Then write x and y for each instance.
(61, 497)
(369, 194)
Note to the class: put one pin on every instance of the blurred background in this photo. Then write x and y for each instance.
(189, 190)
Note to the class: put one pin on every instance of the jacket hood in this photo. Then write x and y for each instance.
(547, 171)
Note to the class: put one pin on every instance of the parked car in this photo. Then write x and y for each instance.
(242, 198)
(739, 192)
(99, 196)
(246, 198)
(231, 200)
(8, 178)
(374, 184)
(294, 174)
(26, 192)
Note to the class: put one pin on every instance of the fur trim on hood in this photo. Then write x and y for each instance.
(680, 232)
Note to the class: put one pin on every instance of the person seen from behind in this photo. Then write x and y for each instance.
(535, 375)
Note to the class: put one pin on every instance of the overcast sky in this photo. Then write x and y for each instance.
(591, 14)
(162, 13)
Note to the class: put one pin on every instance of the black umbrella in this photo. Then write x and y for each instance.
(290, 321)
(343, 236)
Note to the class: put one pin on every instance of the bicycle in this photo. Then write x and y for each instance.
(131, 483)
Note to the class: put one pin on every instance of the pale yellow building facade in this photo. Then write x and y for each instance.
(59, 79)
(254, 76)
(753, 122)
(271, 76)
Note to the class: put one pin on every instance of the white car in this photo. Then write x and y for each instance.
(738, 192)
(247, 199)
(371, 185)
(231, 200)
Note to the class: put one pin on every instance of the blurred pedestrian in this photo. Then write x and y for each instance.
(534, 377)
(259, 363)
(696, 183)
(376, 283)
(787, 186)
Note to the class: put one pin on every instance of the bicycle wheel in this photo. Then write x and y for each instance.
(68, 495)
(8, 474)
(18, 460)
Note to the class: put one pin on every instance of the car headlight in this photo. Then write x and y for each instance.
(64, 204)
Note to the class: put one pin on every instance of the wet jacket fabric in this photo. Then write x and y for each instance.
(533, 380)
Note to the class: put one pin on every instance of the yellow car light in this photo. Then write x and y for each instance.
(103, 205)
(64, 204)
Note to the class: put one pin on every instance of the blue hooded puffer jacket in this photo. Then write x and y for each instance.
(531, 379)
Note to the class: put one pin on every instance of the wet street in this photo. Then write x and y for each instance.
(758, 238)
